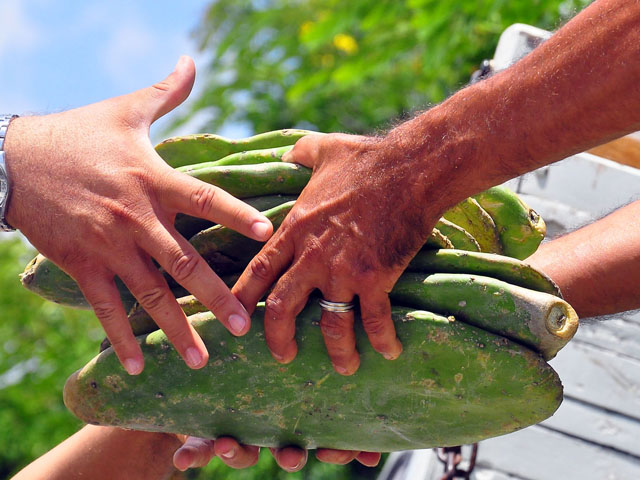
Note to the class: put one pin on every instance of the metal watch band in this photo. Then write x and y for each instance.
(5, 184)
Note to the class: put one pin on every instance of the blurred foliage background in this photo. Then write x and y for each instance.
(326, 65)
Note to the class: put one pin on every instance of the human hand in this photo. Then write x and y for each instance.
(197, 452)
(352, 231)
(91, 194)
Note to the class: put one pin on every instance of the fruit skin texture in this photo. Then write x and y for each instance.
(470, 216)
(520, 228)
(250, 157)
(244, 181)
(454, 384)
(541, 321)
(207, 147)
(228, 251)
(457, 235)
(500, 267)
(46, 279)
(538, 320)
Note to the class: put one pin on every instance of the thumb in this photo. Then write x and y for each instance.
(164, 96)
(305, 151)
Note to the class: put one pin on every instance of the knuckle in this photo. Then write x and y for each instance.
(160, 88)
(333, 326)
(217, 299)
(314, 251)
(119, 343)
(276, 307)
(183, 266)
(202, 200)
(177, 333)
(339, 352)
(152, 298)
(106, 312)
(375, 326)
(261, 267)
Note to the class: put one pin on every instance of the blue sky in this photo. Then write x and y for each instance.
(56, 55)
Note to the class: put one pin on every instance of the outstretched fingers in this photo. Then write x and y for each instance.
(149, 287)
(262, 271)
(102, 294)
(183, 263)
(185, 194)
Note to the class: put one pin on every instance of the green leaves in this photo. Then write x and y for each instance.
(348, 66)
(40, 344)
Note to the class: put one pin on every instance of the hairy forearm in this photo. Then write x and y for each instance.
(106, 453)
(598, 266)
(576, 90)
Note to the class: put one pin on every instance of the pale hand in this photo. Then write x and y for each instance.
(92, 195)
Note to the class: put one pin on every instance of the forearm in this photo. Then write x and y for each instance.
(598, 266)
(106, 453)
(575, 91)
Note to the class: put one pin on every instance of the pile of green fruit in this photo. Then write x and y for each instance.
(477, 326)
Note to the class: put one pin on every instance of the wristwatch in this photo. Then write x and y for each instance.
(5, 185)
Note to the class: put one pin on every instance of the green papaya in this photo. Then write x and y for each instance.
(453, 384)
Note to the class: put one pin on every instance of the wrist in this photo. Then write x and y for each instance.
(5, 178)
(444, 150)
(17, 149)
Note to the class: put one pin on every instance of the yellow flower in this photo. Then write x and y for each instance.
(305, 28)
(346, 43)
(327, 60)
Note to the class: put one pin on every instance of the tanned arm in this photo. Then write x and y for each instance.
(598, 266)
(372, 202)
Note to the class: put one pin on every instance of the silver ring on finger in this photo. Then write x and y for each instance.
(335, 307)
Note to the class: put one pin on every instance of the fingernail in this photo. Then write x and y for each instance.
(277, 356)
(181, 60)
(194, 357)
(230, 454)
(286, 156)
(339, 369)
(133, 366)
(300, 464)
(237, 323)
(261, 229)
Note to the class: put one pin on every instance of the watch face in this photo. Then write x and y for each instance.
(3, 187)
